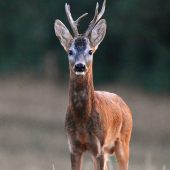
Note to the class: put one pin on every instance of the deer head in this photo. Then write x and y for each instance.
(80, 49)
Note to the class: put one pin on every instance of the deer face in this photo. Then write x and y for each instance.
(80, 49)
(80, 55)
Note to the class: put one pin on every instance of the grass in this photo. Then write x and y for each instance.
(32, 114)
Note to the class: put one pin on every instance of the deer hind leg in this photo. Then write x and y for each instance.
(105, 161)
(122, 153)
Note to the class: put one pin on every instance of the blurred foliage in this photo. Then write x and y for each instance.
(135, 50)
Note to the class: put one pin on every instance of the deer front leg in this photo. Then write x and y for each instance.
(97, 152)
(76, 152)
(100, 162)
(76, 161)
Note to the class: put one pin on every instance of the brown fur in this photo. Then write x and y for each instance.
(97, 121)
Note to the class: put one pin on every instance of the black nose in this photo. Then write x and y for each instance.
(79, 67)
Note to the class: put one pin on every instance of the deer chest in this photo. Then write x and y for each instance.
(85, 135)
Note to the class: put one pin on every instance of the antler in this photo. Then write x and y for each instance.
(96, 18)
(73, 23)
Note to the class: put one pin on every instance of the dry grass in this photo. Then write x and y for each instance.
(32, 131)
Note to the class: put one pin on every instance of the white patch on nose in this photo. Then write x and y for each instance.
(80, 73)
(80, 62)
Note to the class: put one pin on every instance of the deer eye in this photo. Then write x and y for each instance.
(70, 52)
(90, 52)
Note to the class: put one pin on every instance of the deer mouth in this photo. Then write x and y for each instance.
(80, 69)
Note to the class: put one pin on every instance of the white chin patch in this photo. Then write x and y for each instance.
(80, 73)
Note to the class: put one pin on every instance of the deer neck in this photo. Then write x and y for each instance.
(81, 94)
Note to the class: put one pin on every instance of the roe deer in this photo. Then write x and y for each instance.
(97, 121)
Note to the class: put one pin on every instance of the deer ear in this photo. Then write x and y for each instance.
(63, 34)
(98, 34)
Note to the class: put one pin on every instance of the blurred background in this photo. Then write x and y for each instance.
(132, 61)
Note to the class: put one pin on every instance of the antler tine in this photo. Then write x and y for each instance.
(71, 21)
(68, 7)
(96, 18)
(102, 11)
(92, 23)
(78, 20)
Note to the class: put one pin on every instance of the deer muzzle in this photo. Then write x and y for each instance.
(80, 68)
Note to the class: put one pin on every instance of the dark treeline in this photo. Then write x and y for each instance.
(136, 49)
